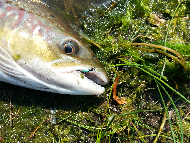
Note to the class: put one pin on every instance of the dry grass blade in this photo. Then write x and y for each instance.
(157, 47)
(160, 47)
(115, 97)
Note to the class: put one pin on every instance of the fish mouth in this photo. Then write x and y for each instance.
(96, 76)
(89, 80)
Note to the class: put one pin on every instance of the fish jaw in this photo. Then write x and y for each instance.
(81, 85)
(88, 80)
(71, 80)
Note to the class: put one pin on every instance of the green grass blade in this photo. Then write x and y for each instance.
(175, 110)
(166, 112)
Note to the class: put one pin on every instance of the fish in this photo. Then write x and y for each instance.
(39, 50)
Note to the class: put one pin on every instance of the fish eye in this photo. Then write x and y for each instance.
(70, 47)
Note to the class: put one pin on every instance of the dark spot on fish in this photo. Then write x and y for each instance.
(52, 15)
(21, 9)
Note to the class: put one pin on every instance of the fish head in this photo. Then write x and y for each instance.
(53, 58)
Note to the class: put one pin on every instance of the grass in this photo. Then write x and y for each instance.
(155, 86)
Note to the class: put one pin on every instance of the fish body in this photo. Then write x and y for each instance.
(39, 50)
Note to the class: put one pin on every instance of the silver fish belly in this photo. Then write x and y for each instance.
(39, 50)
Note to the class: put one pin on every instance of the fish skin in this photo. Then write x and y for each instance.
(32, 38)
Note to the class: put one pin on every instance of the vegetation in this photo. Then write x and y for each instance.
(154, 82)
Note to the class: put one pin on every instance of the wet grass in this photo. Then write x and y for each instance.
(155, 86)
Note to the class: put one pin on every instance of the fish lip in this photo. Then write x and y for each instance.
(91, 81)
(97, 77)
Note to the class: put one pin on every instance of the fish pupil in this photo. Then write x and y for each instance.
(69, 49)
